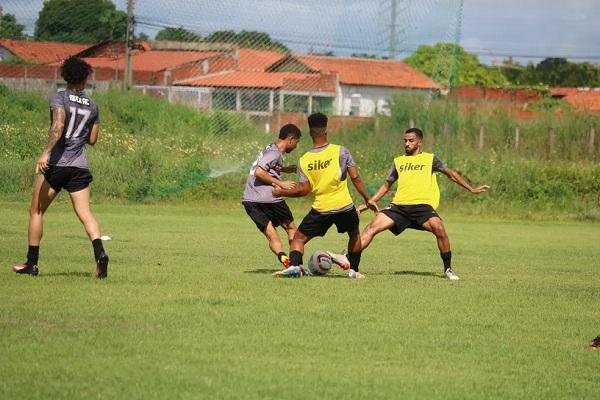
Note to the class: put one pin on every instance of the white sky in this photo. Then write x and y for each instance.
(529, 30)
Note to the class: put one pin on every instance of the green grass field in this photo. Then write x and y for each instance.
(190, 311)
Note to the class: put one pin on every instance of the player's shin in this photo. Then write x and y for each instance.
(295, 258)
(354, 259)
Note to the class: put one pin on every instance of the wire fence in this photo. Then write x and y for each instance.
(259, 58)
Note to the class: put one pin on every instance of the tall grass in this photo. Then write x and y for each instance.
(150, 150)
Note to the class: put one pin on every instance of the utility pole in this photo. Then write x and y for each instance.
(0, 17)
(128, 46)
(393, 28)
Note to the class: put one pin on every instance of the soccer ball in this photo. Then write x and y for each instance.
(320, 263)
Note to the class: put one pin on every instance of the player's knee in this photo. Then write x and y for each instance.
(439, 231)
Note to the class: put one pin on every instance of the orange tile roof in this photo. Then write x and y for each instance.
(268, 80)
(369, 72)
(258, 60)
(41, 52)
(153, 60)
(582, 99)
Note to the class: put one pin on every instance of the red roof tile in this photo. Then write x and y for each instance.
(41, 52)
(152, 61)
(369, 72)
(268, 80)
(258, 60)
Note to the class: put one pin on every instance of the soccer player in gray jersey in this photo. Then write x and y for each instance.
(266, 211)
(63, 164)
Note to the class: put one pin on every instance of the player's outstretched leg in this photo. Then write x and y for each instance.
(296, 269)
(42, 197)
(81, 205)
(275, 244)
(436, 226)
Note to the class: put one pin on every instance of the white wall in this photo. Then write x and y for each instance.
(373, 99)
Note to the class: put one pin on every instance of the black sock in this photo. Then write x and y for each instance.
(447, 259)
(33, 253)
(354, 259)
(98, 248)
(281, 254)
(295, 258)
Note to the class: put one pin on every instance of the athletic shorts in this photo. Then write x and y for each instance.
(261, 213)
(409, 216)
(71, 178)
(317, 224)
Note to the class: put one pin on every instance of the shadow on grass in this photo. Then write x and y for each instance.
(77, 274)
(419, 273)
(270, 271)
(262, 271)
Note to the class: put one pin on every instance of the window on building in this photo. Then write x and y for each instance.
(224, 100)
(295, 103)
(255, 101)
(322, 104)
(355, 104)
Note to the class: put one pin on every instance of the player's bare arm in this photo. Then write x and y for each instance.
(290, 169)
(360, 186)
(383, 189)
(455, 177)
(56, 131)
(265, 177)
(301, 189)
(93, 138)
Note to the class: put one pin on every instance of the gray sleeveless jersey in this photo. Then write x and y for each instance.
(81, 113)
(271, 160)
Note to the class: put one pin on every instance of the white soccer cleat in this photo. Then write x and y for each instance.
(451, 275)
(352, 274)
(292, 272)
(341, 260)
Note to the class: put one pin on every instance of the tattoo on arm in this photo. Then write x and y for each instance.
(56, 130)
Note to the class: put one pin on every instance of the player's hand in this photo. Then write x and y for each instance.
(287, 185)
(291, 169)
(277, 191)
(480, 189)
(42, 163)
(362, 208)
(372, 205)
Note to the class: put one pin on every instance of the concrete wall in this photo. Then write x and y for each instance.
(365, 101)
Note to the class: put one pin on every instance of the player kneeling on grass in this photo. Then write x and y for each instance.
(64, 164)
(417, 197)
(265, 210)
(324, 170)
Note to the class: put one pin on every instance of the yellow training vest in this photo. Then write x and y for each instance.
(323, 172)
(416, 182)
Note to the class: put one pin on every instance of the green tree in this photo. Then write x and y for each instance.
(179, 34)
(450, 64)
(9, 27)
(552, 71)
(80, 21)
(250, 39)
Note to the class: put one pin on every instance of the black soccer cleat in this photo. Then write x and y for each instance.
(32, 270)
(102, 266)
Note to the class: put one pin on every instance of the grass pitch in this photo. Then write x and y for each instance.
(190, 311)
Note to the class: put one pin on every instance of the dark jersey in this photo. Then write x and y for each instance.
(81, 114)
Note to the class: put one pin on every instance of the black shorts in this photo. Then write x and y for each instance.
(71, 178)
(409, 216)
(317, 224)
(261, 213)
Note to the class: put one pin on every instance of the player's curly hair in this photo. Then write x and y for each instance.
(74, 70)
